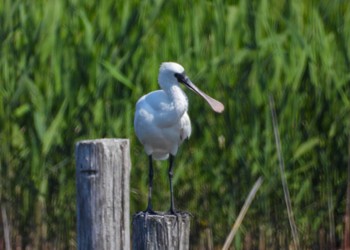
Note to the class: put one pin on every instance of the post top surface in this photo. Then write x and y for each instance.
(103, 141)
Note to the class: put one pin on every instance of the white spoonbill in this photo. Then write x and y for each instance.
(161, 121)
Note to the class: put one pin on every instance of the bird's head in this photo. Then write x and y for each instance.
(167, 74)
(171, 73)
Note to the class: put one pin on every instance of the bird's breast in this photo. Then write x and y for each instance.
(161, 123)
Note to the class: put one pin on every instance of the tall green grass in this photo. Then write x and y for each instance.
(71, 70)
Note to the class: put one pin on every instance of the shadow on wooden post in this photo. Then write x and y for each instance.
(103, 179)
(161, 231)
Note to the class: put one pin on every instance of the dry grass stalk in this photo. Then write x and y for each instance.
(242, 213)
(283, 175)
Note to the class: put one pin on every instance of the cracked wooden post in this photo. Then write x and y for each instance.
(103, 173)
(161, 231)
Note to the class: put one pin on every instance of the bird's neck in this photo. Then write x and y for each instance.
(179, 99)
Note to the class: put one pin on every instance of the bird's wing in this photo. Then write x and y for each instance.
(186, 129)
(158, 105)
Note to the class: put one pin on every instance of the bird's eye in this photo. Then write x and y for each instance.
(180, 77)
(177, 75)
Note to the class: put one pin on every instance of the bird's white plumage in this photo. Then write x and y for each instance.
(161, 121)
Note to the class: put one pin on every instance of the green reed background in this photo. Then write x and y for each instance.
(73, 70)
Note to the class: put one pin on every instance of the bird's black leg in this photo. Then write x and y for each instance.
(171, 165)
(150, 185)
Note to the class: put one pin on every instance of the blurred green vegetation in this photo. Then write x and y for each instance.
(73, 70)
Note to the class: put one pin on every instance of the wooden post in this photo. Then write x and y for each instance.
(102, 172)
(163, 231)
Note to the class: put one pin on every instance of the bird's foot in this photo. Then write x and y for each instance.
(144, 214)
(174, 212)
(149, 211)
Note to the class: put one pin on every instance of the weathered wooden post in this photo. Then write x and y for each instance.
(161, 231)
(103, 173)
